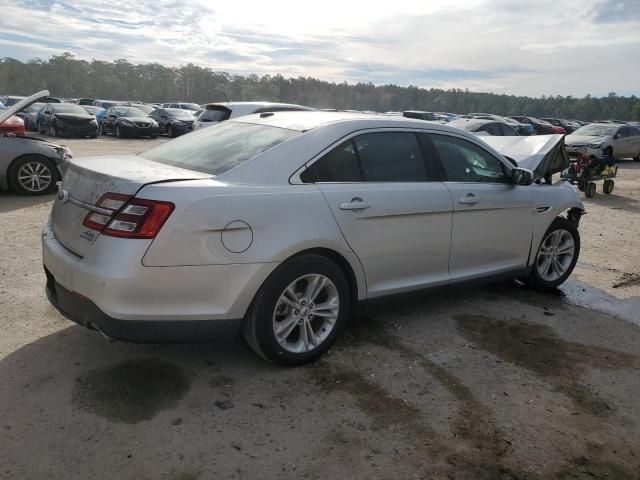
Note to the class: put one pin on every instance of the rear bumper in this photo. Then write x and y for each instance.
(109, 289)
(84, 312)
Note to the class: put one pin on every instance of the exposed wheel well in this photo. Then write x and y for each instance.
(339, 260)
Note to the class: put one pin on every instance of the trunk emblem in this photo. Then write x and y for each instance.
(63, 196)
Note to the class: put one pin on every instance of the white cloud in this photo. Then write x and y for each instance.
(544, 47)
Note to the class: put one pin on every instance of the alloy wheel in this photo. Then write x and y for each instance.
(34, 177)
(306, 313)
(555, 255)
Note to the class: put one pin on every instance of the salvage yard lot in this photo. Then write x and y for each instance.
(493, 382)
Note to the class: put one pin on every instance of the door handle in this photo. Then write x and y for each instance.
(470, 199)
(355, 204)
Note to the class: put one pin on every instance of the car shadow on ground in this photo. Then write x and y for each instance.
(615, 202)
(10, 201)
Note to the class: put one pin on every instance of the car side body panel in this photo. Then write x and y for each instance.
(222, 224)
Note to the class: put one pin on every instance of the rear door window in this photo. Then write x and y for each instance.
(371, 157)
(391, 157)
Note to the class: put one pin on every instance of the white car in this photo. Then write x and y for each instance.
(219, 112)
(617, 140)
(280, 224)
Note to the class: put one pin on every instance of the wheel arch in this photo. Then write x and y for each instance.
(5, 184)
(571, 210)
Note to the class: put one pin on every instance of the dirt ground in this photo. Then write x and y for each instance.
(493, 382)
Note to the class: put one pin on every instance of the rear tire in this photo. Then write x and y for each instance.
(32, 175)
(590, 190)
(170, 132)
(607, 187)
(53, 131)
(119, 132)
(556, 256)
(286, 301)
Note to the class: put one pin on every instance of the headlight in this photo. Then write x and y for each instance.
(93, 122)
(126, 122)
(154, 123)
(59, 122)
(594, 145)
(63, 153)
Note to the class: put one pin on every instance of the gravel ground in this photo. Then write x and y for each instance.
(494, 382)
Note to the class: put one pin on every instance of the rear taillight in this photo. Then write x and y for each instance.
(128, 217)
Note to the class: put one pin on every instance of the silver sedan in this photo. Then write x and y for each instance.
(279, 224)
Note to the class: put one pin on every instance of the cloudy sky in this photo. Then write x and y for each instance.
(568, 47)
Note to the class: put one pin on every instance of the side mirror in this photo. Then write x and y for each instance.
(522, 176)
(205, 120)
(112, 116)
(163, 116)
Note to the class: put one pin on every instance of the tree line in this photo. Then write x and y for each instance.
(69, 77)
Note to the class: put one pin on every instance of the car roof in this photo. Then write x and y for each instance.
(304, 121)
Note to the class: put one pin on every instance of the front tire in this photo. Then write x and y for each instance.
(119, 132)
(299, 311)
(53, 131)
(170, 132)
(557, 255)
(32, 175)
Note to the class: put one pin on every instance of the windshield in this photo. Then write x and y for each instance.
(179, 113)
(92, 110)
(68, 108)
(218, 149)
(595, 130)
(145, 108)
(130, 112)
(191, 106)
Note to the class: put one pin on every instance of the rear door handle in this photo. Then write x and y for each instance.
(355, 204)
(470, 199)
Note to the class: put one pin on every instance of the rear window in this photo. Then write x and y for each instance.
(218, 149)
(219, 114)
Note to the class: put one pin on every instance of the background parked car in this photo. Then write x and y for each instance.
(125, 121)
(218, 112)
(58, 119)
(540, 127)
(173, 121)
(30, 116)
(9, 100)
(619, 141)
(143, 106)
(84, 101)
(485, 127)
(30, 166)
(13, 125)
(420, 115)
(194, 107)
(521, 128)
(568, 125)
(93, 110)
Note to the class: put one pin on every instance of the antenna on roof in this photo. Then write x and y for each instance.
(225, 96)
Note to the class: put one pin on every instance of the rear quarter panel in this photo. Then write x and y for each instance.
(284, 220)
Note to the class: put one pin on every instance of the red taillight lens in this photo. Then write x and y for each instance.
(130, 217)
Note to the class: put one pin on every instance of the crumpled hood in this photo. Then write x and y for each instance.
(542, 154)
(138, 119)
(584, 139)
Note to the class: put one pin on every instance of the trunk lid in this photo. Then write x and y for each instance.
(22, 104)
(87, 180)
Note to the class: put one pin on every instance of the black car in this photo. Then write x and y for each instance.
(540, 127)
(124, 121)
(60, 119)
(173, 121)
(491, 127)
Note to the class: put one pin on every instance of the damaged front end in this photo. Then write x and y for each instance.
(544, 155)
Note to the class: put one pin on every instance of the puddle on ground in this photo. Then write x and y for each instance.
(131, 392)
(539, 349)
(584, 295)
